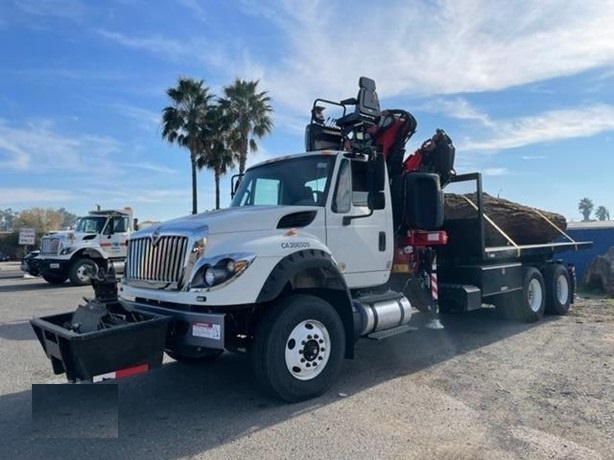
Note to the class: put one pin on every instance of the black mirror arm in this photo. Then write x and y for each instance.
(348, 219)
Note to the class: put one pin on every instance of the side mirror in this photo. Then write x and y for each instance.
(377, 173)
(235, 181)
(376, 200)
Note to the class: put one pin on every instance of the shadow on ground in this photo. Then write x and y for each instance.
(182, 410)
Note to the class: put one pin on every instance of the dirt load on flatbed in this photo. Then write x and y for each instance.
(523, 224)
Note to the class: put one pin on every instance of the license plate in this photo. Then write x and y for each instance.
(206, 330)
(54, 265)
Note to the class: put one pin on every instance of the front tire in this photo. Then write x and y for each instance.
(81, 271)
(558, 289)
(298, 348)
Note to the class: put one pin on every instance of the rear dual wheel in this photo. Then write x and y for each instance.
(558, 289)
(528, 304)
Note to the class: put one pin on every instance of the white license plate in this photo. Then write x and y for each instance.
(54, 265)
(206, 330)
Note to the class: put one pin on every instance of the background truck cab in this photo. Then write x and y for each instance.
(96, 240)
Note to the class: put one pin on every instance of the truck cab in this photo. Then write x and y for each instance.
(98, 239)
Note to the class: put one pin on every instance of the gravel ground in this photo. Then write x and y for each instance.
(482, 388)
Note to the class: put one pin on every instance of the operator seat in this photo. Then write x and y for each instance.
(304, 197)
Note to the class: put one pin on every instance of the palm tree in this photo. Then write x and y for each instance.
(585, 206)
(182, 121)
(602, 213)
(250, 112)
(217, 140)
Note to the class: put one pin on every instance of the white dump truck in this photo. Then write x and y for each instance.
(95, 241)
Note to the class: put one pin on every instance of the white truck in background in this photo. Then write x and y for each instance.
(96, 240)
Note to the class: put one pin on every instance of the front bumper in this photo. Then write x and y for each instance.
(189, 332)
(52, 265)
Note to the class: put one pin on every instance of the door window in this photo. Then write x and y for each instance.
(343, 192)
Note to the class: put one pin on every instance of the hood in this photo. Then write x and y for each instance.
(229, 220)
(71, 235)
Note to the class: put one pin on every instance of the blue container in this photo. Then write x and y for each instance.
(600, 233)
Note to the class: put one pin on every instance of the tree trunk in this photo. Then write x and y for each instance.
(217, 188)
(194, 185)
(243, 154)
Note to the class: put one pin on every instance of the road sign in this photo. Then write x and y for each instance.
(27, 236)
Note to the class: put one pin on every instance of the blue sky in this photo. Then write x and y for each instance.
(525, 89)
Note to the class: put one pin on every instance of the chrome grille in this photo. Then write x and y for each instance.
(162, 262)
(50, 245)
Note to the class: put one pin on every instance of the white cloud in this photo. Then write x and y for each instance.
(495, 171)
(435, 48)
(195, 8)
(533, 157)
(151, 167)
(457, 107)
(156, 44)
(68, 9)
(445, 47)
(547, 126)
(148, 120)
(37, 146)
(15, 196)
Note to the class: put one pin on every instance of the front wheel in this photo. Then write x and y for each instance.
(298, 348)
(81, 271)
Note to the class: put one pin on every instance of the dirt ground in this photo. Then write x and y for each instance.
(549, 394)
(482, 388)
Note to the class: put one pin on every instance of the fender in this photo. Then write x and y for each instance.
(313, 269)
(91, 252)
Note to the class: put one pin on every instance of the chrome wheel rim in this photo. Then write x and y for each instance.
(562, 289)
(535, 295)
(307, 350)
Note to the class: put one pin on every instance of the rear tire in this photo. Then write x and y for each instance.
(54, 278)
(526, 305)
(81, 271)
(558, 289)
(531, 307)
(298, 348)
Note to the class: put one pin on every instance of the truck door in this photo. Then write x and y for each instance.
(362, 247)
(115, 237)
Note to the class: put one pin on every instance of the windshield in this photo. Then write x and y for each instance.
(297, 181)
(90, 224)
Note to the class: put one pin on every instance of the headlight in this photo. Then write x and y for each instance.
(67, 250)
(210, 276)
(214, 272)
